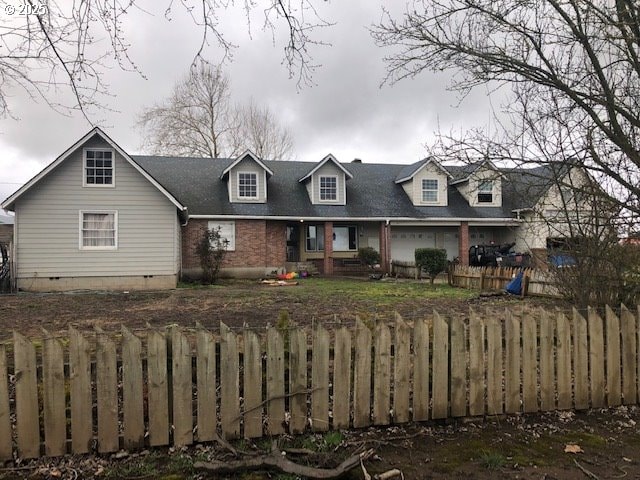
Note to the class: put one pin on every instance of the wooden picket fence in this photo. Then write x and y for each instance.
(95, 392)
(535, 282)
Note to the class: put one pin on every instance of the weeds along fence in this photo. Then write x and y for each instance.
(535, 282)
(97, 392)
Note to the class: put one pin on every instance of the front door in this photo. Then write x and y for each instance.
(293, 242)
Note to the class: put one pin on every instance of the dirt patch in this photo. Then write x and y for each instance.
(510, 447)
(239, 303)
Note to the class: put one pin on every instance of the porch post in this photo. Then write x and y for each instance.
(463, 243)
(384, 247)
(328, 248)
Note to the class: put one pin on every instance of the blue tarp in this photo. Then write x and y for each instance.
(515, 285)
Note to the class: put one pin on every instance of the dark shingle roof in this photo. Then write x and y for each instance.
(372, 192)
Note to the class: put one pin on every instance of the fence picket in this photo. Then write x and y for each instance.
(596, 358)
(107, 392)
(458, 368)
(27, 427)
(476, 365)
(362, 376)
(320, 379)
(629, 356)
(229, 383)
(563, 355)
(402, 371)
(614, 377)
(158, 384)
(80, 380)
(440, 367)
(421, 370)
(529, 365)
(580, 362)
(547, 380)
(382, 374)
(5, 413)
(495, 405)
(275, 381)
(181, 382)
(298, 379)
(206, 384)
(132, 406)
(512, 380)
(341, 378)
(53, 401)
(252, 365)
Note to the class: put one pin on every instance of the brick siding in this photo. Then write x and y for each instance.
(259, 243)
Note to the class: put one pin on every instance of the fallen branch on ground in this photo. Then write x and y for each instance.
(276, 461)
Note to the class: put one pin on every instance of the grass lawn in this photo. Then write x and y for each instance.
(241, 302)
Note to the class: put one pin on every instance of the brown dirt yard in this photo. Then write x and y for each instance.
(243, 302)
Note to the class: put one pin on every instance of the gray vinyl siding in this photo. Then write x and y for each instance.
(328, 170)
(247, 166)
(49, 215)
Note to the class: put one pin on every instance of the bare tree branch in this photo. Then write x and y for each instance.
(198, 120)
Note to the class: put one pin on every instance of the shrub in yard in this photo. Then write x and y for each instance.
(432, 260)
(211, 249)
(369, 256)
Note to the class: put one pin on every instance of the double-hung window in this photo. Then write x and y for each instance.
(99, 230)
(430, 190)
(98, 167)
(247, 185)
(328, 189)
(485, 191)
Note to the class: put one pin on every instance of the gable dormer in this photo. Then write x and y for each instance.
(247, 179)
(326, 182)
(481, 185)
(425, 183)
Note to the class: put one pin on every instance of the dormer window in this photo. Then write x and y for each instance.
(485, 191)
(98, 168)
(247, 185)
(328, 189)
(430, 190)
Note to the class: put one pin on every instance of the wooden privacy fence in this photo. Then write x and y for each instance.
(535, 282)
(99, 393)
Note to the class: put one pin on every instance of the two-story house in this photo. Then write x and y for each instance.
(99, 218)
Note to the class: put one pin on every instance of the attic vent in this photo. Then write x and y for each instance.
(356, 160)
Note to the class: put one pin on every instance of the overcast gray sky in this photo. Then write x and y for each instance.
(346, 112)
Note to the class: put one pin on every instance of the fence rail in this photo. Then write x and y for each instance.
(195, 385)
(535, 282)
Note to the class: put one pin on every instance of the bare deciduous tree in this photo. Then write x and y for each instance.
(199, 120)
(53, 46)
(195, 120)
(260, 131)
(573, 67)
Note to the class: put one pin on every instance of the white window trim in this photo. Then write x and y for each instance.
(437, 190)
(320, 177)
(81, 222)
(231, 247)
(492, 192)
(84, 166)
(257, 195)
